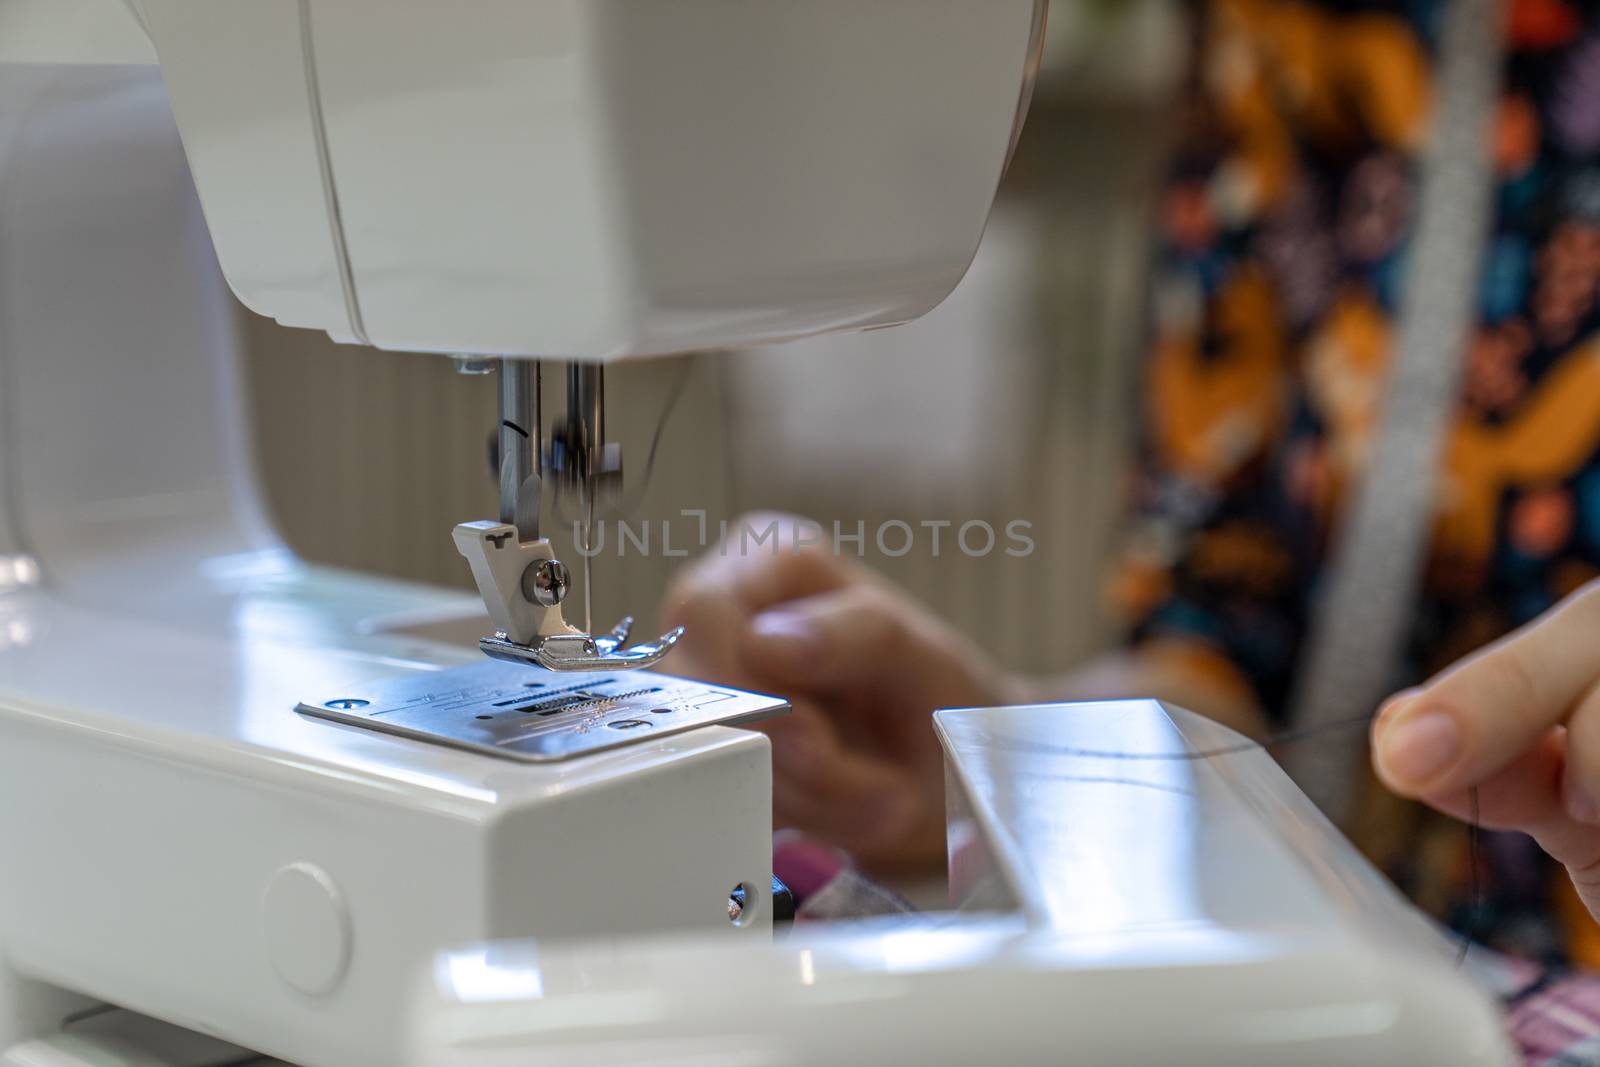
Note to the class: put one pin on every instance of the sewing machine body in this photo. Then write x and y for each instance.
(180, 843)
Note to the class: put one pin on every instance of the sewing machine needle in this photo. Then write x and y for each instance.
(588, 557)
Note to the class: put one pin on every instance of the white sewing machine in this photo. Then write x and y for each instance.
(243, 804)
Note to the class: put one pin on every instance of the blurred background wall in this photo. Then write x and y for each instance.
(1012, 401)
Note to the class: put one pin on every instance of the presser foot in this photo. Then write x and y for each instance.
(523, 586)
(583, 652)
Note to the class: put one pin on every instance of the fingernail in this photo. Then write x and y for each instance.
(784, 637)
(1418, 749)
(1393, 705)
(1580, 803)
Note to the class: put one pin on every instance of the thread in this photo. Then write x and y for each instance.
(1286, 737)
(1474, 877)
(629, 504)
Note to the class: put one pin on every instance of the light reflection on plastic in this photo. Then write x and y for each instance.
(808, 967)
(285, 617)
(16, 628)
(475, 978)
(1106, 844)
(17, 572)
(15, 633)
(248, 566)
(1087, 843)
(911, 951)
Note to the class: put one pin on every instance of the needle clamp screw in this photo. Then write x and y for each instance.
(546, 582)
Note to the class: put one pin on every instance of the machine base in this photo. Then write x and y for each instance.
(537, 717)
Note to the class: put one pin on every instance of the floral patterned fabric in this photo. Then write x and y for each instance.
(1284, 235)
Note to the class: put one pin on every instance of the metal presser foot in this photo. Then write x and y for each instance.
(583, 652)
(522, 583)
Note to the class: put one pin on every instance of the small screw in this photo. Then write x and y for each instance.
(627, 724)
(346, 704)
(475, 366)
(546, 582)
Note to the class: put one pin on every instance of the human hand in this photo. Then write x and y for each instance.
(1519, 722)
(863, 665)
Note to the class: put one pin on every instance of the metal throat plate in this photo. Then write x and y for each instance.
(537, 716)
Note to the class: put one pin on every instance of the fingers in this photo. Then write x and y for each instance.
(857, 762)
(763, 561)
(804, 621)
(1515, 728)
(1477, 718)
(836, 639)
(1580, 785)
(1524, 795)
(1527, 795)
(839, 794)
(870, 643)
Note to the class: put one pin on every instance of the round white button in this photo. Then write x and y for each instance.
(307, 929)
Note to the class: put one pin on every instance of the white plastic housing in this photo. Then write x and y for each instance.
(592, 179)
